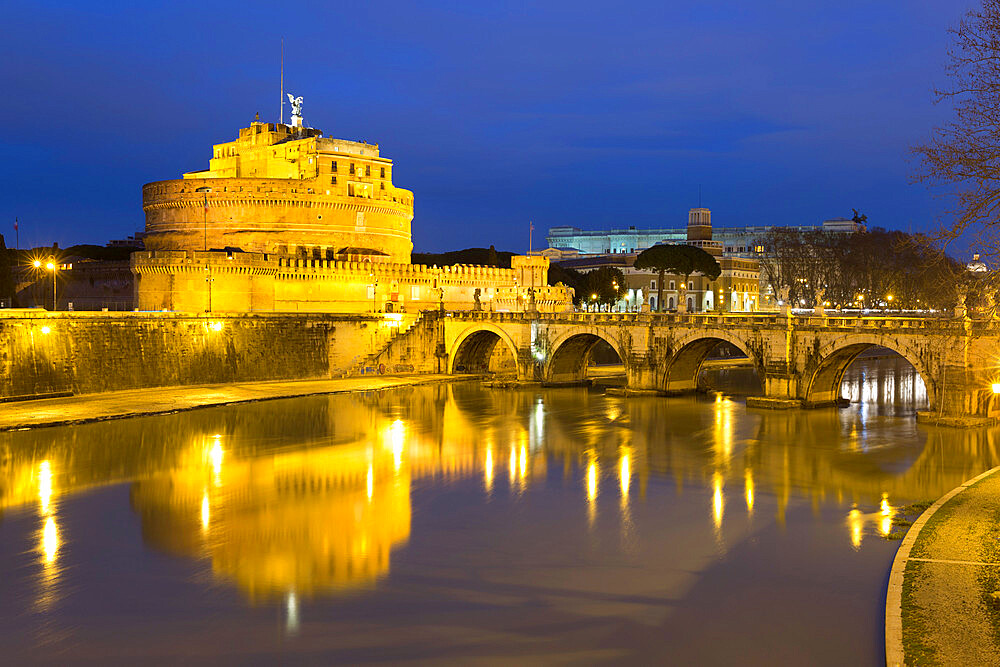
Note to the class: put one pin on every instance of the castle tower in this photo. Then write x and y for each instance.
(699, 225)
(286, 190)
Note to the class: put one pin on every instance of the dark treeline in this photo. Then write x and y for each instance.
(477, 256)
(862, 269)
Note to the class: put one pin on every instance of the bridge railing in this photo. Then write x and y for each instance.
(851, 322)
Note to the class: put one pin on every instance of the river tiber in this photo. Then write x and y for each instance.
(267, 429)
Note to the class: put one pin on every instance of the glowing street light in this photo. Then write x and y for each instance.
(49, 266)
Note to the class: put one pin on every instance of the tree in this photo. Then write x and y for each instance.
(861, 269)
(681, 260)
(570, 278)
(965, 152)
(607, 283)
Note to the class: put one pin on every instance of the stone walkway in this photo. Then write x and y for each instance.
(158, 400)
(943, 601)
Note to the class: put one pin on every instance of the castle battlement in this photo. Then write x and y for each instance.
(181, 280)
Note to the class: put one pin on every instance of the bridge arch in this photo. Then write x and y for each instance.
(476, 347)
(825, 373)
(570, 353)
(681, 370)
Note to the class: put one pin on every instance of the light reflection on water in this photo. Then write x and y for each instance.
(313, 505)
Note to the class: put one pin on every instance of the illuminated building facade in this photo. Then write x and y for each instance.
(285, 219)
(284, 190)
(737, 289)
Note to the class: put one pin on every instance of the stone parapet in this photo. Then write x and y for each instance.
(196, 281)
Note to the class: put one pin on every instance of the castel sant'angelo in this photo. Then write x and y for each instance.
(285, 219)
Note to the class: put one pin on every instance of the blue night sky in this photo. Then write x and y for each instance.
(594, 114)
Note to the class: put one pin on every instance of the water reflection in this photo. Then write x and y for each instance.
(293, 499)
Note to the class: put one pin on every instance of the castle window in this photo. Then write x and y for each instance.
(333, 181)
(350, 189)
(333, 166)
(352, 168)
(383, 185)
(672, 284)
(652, 284)
(368, 170)
(382, 175)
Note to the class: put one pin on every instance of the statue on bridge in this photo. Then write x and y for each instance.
(961, 310)
(819, 294)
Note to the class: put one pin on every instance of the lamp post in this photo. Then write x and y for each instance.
(49, 266)
(208, 268)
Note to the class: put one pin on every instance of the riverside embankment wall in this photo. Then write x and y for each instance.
(42, 352)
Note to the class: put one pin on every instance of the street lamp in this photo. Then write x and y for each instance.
(49, 266)
(208, 268)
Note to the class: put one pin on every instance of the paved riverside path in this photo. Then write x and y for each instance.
(158, 400)
(940, 608)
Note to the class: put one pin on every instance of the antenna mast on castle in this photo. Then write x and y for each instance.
(282, 115)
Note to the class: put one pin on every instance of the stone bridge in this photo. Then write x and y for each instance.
(800, 360)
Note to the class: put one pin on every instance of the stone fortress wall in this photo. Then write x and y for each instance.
(44, 353)
(190, 281)
(303, 218)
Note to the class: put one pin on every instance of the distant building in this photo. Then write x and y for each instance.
(135, 241)
(737, 289)
(742, 241)
(81, 283)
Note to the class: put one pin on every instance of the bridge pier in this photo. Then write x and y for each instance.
(965, 399)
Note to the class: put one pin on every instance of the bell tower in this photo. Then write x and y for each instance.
(699, 225)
